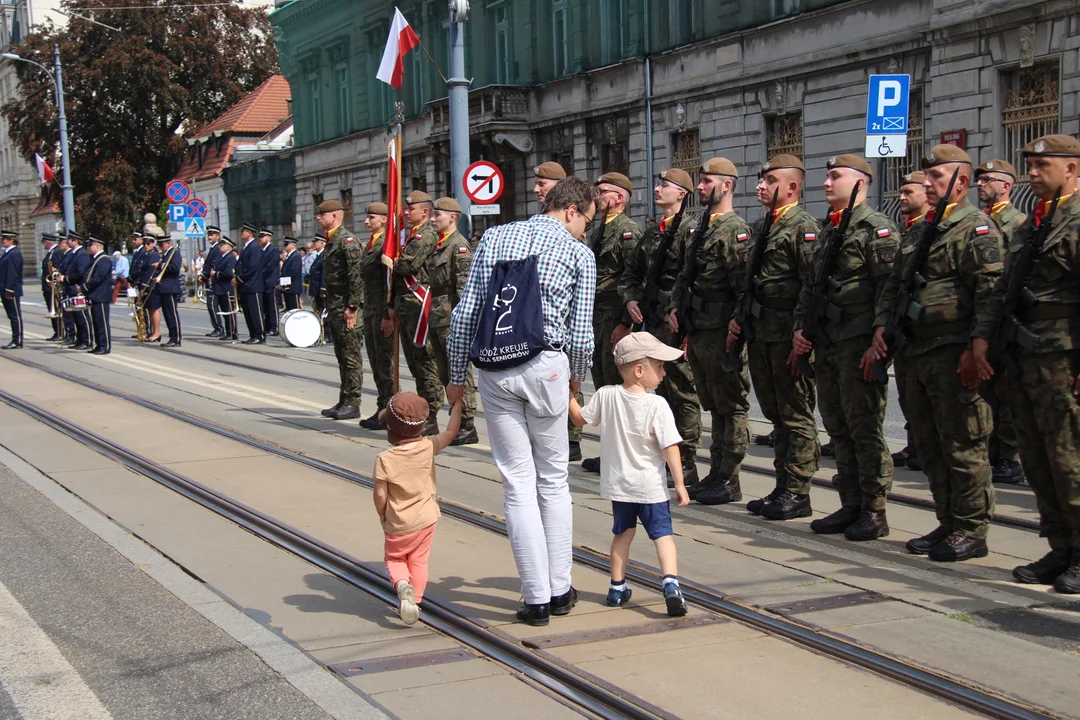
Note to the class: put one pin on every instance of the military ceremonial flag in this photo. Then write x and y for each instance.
(402, 39)
(395, 224)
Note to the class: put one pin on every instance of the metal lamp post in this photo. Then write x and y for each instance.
(58, 86)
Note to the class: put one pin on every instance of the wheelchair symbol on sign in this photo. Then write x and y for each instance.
(884, 148)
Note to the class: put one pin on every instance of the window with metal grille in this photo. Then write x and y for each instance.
(686, 151)
(785, 136)
(1032, 109)
(897, 168)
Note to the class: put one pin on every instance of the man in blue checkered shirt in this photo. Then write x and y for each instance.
(526, 405)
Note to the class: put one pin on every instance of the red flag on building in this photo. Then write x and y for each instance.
(402, 39)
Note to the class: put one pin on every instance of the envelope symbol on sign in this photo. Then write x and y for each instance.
(892, 123)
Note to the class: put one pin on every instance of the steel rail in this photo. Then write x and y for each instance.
(954, 690)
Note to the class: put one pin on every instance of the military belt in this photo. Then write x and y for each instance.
(778, 303)
(856, 308)
(715, 296)
(928, 332)
(1055, 311)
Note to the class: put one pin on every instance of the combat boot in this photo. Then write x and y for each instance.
(913, 461)
(1009, 472)
(329, 412)
(431, 427)
(724, 489)
(769, 439)
(689, 476)
(828, 449)
(837, 522)
(958, 547)
(702, 484)
(1045, 570)
(466, 435)
(346, 412)
(373, 422)
(787, 506)
(1068, 582)
(575, 451)
(755, 506)
(871, 525)
(900, 458)
(922, 545)
(591, 465)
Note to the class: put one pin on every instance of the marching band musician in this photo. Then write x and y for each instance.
(224, 293)
(11, 284)
(49, 264)
(213, 256)
(74, 275)
(292, 268)
(97, 288)
(249, 282)
(152, 306)
(170, 288)
(315, 281)
(271, 275)
(68, 319)
(138, 259)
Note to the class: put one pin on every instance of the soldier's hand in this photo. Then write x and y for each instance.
(387, 327)
(634, 310)
(974, 367)
(454, 393)
(793, 363)
(618, 334)
(390, 313)
(350, 319)
(685, 347)
(869, 359)
(877, 345)
(800, 343)
(673, 321)
(733, 328)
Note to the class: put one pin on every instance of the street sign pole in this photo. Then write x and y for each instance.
(459, 110)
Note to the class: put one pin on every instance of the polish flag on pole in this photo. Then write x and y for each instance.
(392, 241)
(402, 39)
(45, 173)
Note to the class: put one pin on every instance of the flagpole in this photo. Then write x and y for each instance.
(399, 223)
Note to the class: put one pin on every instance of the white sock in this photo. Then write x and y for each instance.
(671, 580)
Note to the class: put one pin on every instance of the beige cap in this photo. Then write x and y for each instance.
(417, 196)
(996, 166)
(943, 155)
(914, 178)
(1053, 146)
(720, 166)
(850, 161)
(377, 208)
(550, 171)
(330, 206)
(678, 177)
(640, 345)
(447, 204)
(616, 179)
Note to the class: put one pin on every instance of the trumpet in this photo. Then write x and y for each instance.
(54, 284)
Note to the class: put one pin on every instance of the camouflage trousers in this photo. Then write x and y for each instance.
(348, 349)
(380, 352)
(724, 392)
(1047, 417)
(854, 414)
(438, 343)
(788, 403)
(951, 430)
(421, 360)
(678, 389)
(900, 375)
(574, 431)
(604, 369)
(1003, 439)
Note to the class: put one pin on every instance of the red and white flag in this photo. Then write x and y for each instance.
(45, 173)
(402, 39)
(392, 242)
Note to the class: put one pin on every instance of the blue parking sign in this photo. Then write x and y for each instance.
(887, 105)
(178, 213)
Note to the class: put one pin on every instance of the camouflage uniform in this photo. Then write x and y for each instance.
(621, 237)
(380, 349)
(852, 408)
(448, 269)
(721, 265)
(412, 261)
(1003, 441)
(952, 423)
(344, 285)
(677, 387)
(899, 365)
(787, 401)
(1045, 410)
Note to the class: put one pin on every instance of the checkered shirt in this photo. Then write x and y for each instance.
(567, 273)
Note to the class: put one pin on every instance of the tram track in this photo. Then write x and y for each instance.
(580, 686)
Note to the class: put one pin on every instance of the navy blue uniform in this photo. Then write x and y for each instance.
(98, 289)
(78, 265)
(153, 301)
(271, 277)
(293, 268)
(224, 272)
(52, 255)
(315, 284)
(213, 256)
(249, 274)
(11, 284)
(169, 289)
(67, 318)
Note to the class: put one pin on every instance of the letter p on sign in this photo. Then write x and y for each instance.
(890, 92)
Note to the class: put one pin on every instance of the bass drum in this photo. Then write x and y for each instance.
(301, 328)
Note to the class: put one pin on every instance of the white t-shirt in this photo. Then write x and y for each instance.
(634, 430)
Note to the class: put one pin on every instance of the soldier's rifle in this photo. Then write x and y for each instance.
(596, 240)
(656, 271)
(904, 308)
(748, 309)
(1012, 333)
(684, 314)
(821, 310)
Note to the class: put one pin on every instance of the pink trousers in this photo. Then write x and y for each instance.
(407, 558)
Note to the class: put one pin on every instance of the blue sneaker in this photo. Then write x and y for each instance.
(676, 606)
(618, 598)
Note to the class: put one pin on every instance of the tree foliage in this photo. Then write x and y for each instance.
(132, 96)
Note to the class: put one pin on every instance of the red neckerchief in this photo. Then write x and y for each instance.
(834, 217)
(663, 224)
(1040, 212)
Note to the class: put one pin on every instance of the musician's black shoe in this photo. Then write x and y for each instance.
(216, 333)
(135, 337)
(100, 351)
(91, 350)
(12, 346)
(225, 338)
(54, 338)
(273, 333)
(171, 343)
(81, 346)
(254, 341)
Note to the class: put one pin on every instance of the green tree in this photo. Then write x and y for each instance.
(133, 94)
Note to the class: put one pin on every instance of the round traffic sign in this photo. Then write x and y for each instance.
(177, 191)
(196, 208)
(483, 182)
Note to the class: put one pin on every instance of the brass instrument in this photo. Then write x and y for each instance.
(139, 316)
(54, 282)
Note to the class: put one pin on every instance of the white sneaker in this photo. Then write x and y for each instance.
(408, 610)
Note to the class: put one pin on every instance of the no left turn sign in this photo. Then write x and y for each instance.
(483, 182)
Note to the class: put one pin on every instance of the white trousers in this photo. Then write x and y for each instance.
(526, 410)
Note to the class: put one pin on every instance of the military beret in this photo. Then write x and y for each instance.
(9, 234)
(251, 228)
(448, 204)
(267, 233)
(944, 154)
(289, 240)
(720, 166)
(996, 166)
(330, 206)
(49, 236)
(213, 229)
(95, 241)
(550, 171)
(678, 177)
(416, 197)
(1053, 146)
(915, 178)
(225, 239)
(782, 162)
(850, 161)
(378, 208)
(616, 179)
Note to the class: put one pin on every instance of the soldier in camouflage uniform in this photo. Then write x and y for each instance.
(852, 407)
(952, 422)
(621, 238)
(1045, 396)
(344, 298)
(786, 396)
(410, 277)
(650, 312)
(714, 264)
(378, 328)
(448, 269)
(994, 180)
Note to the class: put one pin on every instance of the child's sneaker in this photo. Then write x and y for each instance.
(676, 606)
(407, 608)
(617, 598)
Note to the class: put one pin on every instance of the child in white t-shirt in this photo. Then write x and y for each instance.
(637, 437)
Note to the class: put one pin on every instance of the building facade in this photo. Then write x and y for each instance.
(576, 82)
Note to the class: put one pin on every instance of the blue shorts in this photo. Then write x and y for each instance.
(654, 517)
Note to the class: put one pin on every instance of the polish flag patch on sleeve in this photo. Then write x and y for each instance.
(463, 249)
(809, 237)
(982, 230)
(742, 237)
(884, 233)
(627, 235)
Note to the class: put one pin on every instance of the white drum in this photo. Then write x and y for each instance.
(300, 328)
